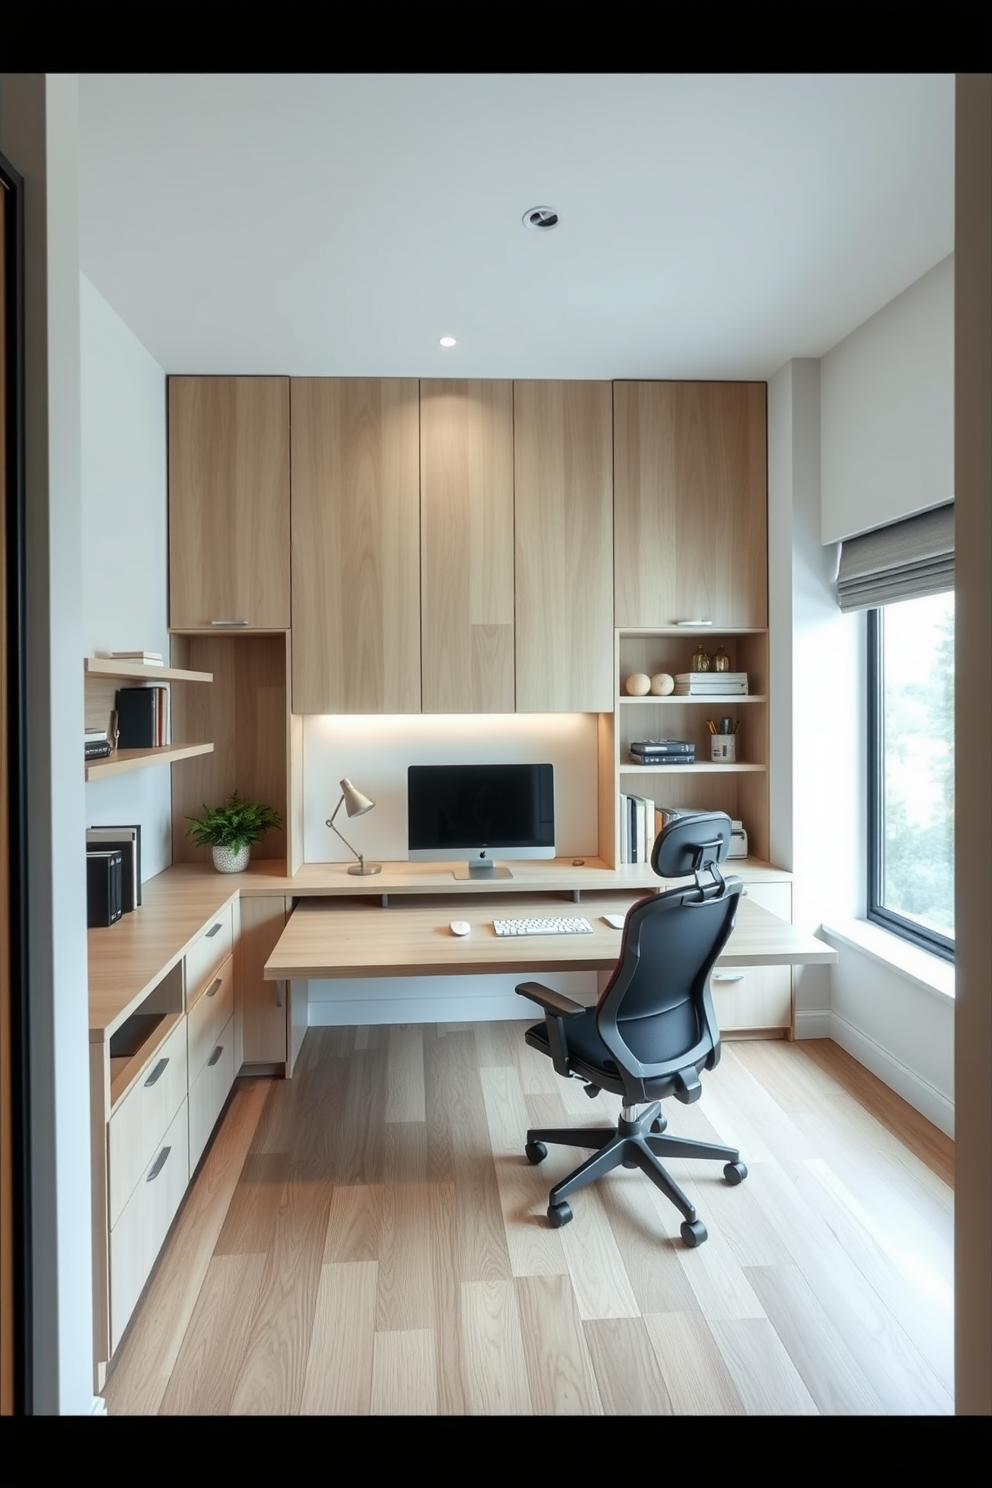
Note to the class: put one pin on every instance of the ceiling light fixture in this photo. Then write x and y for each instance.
(540, 219)
(447, 341)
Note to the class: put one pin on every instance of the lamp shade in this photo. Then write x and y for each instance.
(355, 803)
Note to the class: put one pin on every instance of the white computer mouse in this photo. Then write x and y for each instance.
(460, 927)
(617, 921)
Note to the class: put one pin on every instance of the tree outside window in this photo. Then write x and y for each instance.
(911, 770)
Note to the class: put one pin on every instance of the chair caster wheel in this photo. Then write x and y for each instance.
(658, 1125)
(735, 1173)
(535, 1152)
(558, 1215)
(694, 1234)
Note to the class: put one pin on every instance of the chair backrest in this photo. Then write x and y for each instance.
(655, 1014)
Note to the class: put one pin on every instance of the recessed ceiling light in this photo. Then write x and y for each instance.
(447, 341)
(540, 219)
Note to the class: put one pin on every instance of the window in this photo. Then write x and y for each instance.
(911, 770)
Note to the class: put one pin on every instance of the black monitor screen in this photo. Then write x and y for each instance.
(453, 809)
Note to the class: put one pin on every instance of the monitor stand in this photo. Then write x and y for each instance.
(486, 872)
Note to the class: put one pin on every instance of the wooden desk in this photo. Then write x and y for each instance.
(338, 938)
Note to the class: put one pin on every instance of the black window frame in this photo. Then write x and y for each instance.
(879, 913)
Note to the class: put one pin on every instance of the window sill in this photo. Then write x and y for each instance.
(926, 970)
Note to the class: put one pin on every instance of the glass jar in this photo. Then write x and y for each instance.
(721, 661)
(700, 660)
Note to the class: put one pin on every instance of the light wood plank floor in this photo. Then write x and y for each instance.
(368, 1238)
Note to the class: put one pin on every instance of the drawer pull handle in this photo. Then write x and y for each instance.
(729, 976)
(213, 930)
(157, 1072)
(158, 1165)
(215, 988)
(215, 1056)
(278, 994)
(229, 622)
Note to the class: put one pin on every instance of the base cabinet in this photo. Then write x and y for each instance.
(159, 1082)
(263, 1004)
(137, 1237)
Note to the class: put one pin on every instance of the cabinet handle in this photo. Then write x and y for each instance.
(215, 988)
(229, 622)
(158, 1165)
(279, 994)
(729, 976)
(215, 1056)
(213, 930)
(157, 1072)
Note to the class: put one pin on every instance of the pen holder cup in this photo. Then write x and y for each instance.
(723, 749)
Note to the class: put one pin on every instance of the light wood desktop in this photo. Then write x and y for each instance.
(339, 938)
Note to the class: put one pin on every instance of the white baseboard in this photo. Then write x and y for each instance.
(923, 1097)
(815, 1023)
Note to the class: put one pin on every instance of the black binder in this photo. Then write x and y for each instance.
(136, 713)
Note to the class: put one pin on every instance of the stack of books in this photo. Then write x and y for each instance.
(97, 743)
(143, 717)
(640, 823)
(710, 684)
(662, 752)
(149, 658)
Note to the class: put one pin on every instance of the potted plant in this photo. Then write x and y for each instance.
(232, 830)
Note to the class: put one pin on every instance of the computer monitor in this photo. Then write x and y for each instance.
(480, 813)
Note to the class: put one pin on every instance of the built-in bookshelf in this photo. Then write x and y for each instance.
(739, 788)
(101, 674)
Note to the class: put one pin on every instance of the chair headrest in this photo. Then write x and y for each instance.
(690, 841)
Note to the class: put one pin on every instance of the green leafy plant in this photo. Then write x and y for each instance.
(236, 824)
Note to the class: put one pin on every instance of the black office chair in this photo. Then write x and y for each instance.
(654, 1029)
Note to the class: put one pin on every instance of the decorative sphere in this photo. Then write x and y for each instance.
(639, 685)
(662, 684)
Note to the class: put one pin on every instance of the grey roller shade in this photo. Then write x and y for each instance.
(904, 561)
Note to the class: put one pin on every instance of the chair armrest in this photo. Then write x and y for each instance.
(552, 1002)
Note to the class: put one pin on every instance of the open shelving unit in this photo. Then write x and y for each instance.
(100, 676)
(741, 788)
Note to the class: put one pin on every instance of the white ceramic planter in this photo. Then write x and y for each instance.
(227, 860)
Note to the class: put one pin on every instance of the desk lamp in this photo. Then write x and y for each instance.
(356, 805)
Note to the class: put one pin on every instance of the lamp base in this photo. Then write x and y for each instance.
(365, 870)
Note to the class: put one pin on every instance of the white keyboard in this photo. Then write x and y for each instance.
(564, 925)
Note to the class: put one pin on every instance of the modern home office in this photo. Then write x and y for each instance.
(522, 577)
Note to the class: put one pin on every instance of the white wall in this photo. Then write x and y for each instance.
(39, 136)
(817, 664)
(888, 411)
(374, 753)
(862, 438)
(124, 541)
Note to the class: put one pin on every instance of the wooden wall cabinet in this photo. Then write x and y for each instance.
(466, 571)
(691, 506)
(356, 545)
(563, 493)
(229, 503)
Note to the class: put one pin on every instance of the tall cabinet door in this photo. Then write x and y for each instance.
(563, 477)
(466, 507)
(691, 503)
(229, 503)
(356, 545)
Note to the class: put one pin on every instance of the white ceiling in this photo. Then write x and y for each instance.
(710, 225)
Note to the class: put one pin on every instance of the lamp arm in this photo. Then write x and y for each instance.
(339, 833)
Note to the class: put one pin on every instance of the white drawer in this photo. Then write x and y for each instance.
(209, 1092)
(135, 1129)
(137, 1237)
(207, 1017)
(206, 954)
(747, 997)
